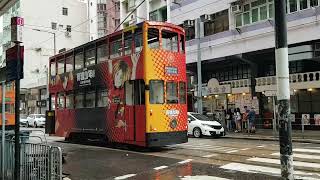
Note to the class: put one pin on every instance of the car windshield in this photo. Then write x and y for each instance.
(40, 116)
(200, 117)
(23, 116)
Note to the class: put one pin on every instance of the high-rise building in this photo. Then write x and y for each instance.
(49, 26)
(104, 17)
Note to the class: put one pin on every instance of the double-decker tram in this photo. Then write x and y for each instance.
(128, 87)
(9, 105)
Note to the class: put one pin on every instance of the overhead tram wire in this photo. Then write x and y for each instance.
(129, 15)
(57, 35)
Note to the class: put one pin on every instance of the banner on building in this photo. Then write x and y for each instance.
(317, 119)
(305, 119)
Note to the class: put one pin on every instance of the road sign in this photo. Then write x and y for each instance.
(13, 72)
(16, 29)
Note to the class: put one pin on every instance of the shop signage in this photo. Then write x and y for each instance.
(214, 87)
(42, 103)
(17, 24)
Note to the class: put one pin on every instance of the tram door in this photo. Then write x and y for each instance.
(134, 110)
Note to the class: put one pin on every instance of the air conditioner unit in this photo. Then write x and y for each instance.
(132, 19)
(236, 9)
(188, 23)
(205, 18)
(68, 34)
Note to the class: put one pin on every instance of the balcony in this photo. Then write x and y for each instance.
(297, 81)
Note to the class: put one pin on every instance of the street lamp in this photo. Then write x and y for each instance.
(47, 69)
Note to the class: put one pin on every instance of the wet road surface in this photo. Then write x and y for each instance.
(205, 158)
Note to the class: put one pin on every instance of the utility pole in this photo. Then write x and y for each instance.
(283, 90)
(199, 68)
(3, 127)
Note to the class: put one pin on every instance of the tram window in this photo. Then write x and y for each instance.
(69, 64)
(53, 68)
(60, 102)
(90, 99)
(182, 48)
(102, 98)
(79, 100)
(90, 57)
(128, 86)
(78, 61)
(169, 40)
(115, 46)
(102, 53)
(138, 40)
(182, 92)
(153, 38)
(53, 100)
(156, 92)
(172, 92)
(61, 66)
(69, 101)
(127, 42)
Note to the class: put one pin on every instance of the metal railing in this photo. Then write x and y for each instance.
(38, 161)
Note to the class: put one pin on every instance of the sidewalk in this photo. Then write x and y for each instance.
(267, 135)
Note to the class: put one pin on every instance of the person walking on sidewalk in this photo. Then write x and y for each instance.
(238, 118)
(251, 118)
(229, 120)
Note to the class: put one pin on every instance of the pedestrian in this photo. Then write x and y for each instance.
(229, 120)
(238, 120)
(251, 118)
(245, 118)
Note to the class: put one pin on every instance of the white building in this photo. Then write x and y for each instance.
(237, 43)
(104, 17)
(135, 11)
(68, 20)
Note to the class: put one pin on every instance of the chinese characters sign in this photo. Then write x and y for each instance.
(85, 77)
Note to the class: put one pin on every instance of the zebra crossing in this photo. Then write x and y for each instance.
(206, 147)
(306, 163)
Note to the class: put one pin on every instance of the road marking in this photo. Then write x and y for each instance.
(266, 170)
(233, 151)
(124, 176)
(306, 150)
(185, 161)
(261, 146)
(277, 161)
(199, 177)
(210, 155)
(160, 167)
(244, 149)
(303, 156)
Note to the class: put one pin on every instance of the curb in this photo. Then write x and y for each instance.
(275, 139)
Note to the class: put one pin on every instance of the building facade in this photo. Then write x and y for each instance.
(135, 11)
(49, 26)
(237, 43)
(104, 17)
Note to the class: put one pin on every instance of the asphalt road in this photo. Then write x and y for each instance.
(205, 158)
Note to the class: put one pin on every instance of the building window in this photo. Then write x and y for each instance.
(153, 16)
(53, 25)
(254, 12)
(68, 28)
(219, 23)
(65, 11)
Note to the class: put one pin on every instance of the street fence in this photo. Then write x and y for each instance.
(38, 161)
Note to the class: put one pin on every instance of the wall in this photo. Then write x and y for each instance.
(302, 26)
(39, 45)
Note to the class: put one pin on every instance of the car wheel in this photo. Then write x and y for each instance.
(197, 132)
